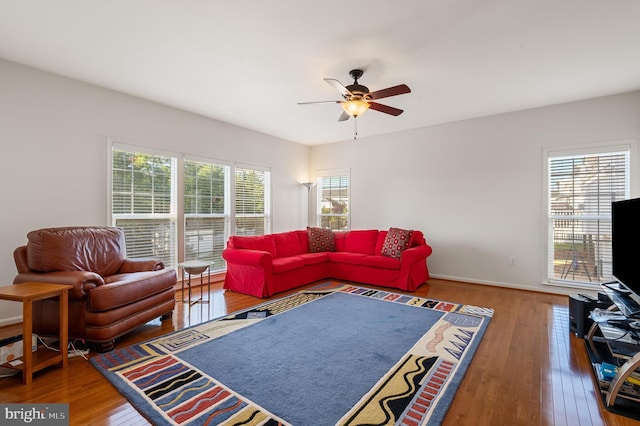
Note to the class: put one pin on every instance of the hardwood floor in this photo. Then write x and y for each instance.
(529, 369)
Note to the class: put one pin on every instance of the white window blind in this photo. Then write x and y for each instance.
(581, 190)
(206, 211)
(333, 194)
(143, 203)
(252, 201)
(216, 200)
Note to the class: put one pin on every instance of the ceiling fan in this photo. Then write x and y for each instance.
(356, 98)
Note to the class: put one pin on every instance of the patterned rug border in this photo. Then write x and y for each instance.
(140, 371)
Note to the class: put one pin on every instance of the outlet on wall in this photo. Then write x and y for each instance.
(512, 260)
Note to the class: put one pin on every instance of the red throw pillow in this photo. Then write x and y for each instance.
(396, 241)
(320, 239)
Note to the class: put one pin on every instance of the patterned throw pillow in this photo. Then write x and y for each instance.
(320, 239)
(396, 241)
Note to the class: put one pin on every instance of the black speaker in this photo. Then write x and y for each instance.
(580, 306)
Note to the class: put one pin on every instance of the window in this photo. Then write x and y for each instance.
(581, 188)
(146, 187)
(143, 203)
(206, 211)
(333, 193)
(252, 201)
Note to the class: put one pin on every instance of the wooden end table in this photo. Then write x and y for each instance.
(27, 293)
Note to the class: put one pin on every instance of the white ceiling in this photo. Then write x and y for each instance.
(250, 62)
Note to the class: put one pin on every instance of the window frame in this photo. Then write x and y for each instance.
(333, 173)
(178, 216)
(219, 263)
(267, 215)
(172, 216)
(600, 148)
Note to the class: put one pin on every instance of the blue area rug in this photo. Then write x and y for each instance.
(336, 354)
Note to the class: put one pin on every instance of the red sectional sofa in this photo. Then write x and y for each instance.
(264, 265)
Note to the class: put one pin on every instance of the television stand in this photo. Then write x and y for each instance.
(618, 347)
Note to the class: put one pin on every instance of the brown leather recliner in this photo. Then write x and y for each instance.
(110, 295)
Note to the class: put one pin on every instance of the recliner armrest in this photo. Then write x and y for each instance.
(20, 257)
(140, 265)
(81, 281)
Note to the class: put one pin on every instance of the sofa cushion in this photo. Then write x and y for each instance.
(361, 241)
(320, 239)
(396, 241)
(287, 244)
(346, 257)
(418, 239)
(303, 240)
(313, 258)
(340, 237)
(380, 242)
(261, 242)
(122, 289)
(282, 264)
(96, 249)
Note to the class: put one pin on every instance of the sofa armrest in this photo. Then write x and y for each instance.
(80, 281)
(415, 254)
(248, 257)
(140, 265)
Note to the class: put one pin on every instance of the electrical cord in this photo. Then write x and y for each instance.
(73, 351)
(77, 352)
(71, 348)
(45, 344)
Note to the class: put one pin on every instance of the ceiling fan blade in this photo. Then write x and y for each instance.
(344, 116)
(385, 108)
(400, 89)
(319, 102)
(338, 86)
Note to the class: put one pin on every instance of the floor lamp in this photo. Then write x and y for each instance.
(308, 185)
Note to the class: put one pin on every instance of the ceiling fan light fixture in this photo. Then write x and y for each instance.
(355, 108)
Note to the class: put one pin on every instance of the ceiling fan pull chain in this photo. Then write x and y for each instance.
(355, 128)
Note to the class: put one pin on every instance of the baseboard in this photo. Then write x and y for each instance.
(4, 322)
(539, 288)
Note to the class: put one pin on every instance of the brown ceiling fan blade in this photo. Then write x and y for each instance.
(400, 89)
(385, 108)
(344, 116)
(338, 86)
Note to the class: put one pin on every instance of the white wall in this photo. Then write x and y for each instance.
(475, 188)
(53, 166)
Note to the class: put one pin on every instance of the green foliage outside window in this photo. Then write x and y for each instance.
(141, 183)
(204, 186)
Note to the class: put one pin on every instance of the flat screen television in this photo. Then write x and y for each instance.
(625, 245)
